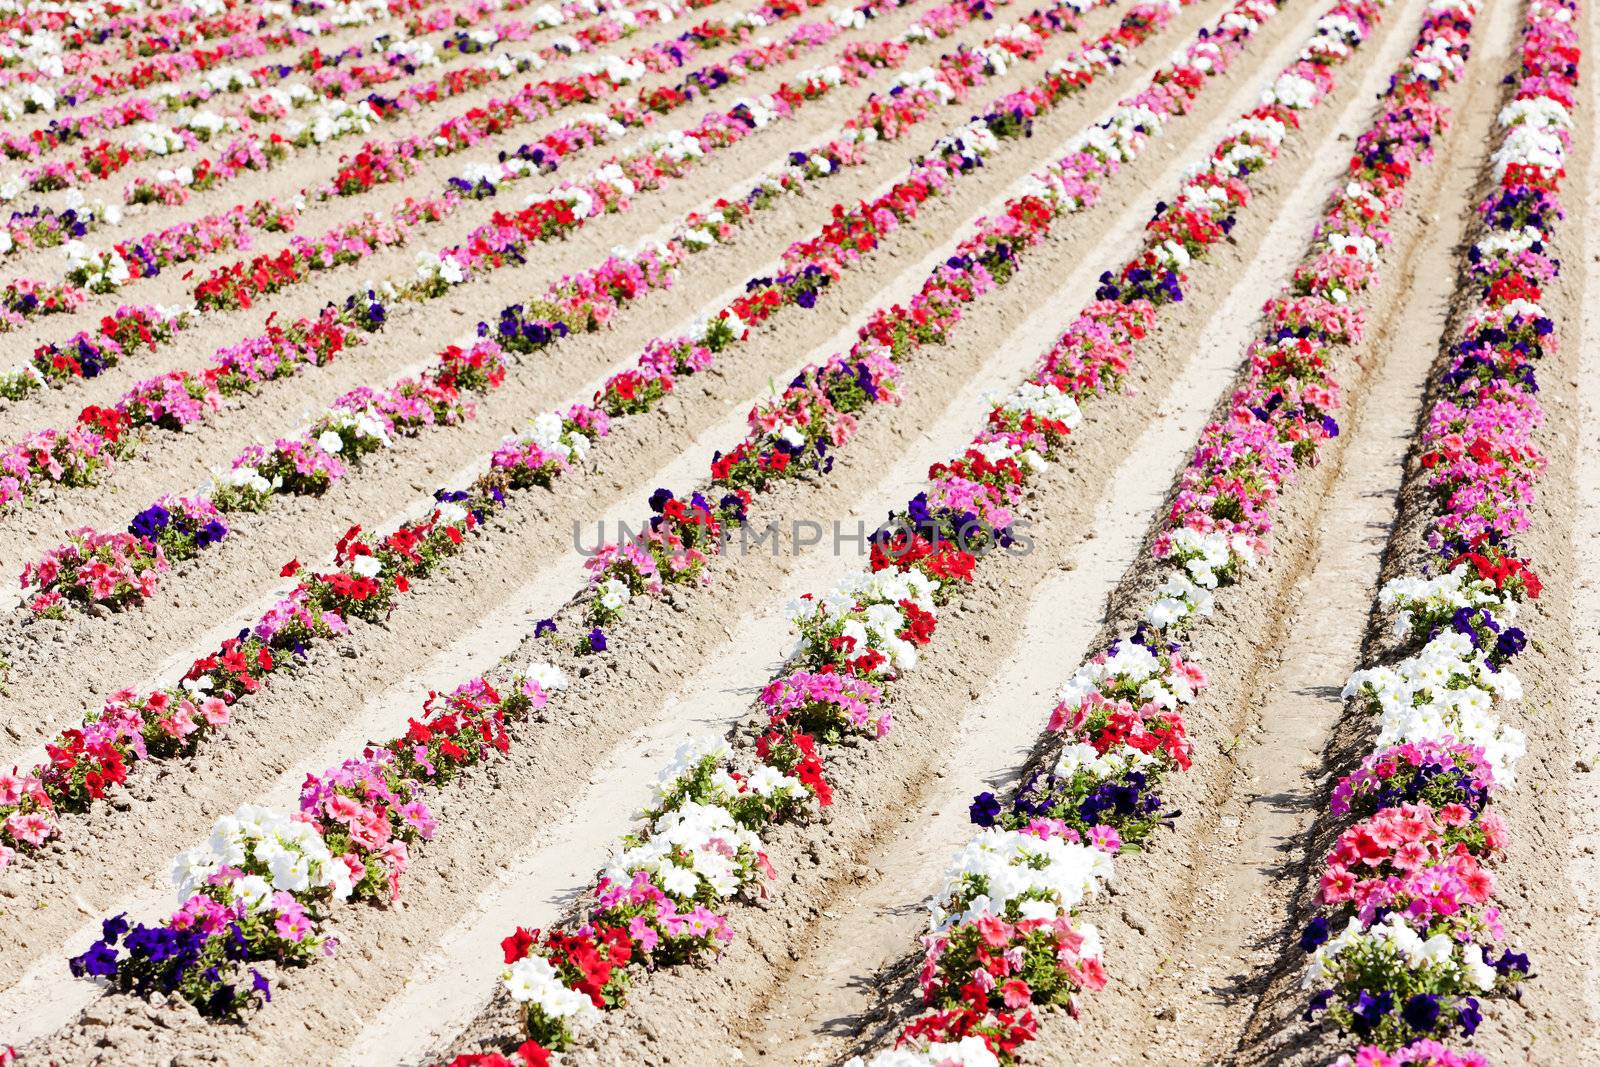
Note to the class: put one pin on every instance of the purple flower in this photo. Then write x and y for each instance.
(210, 534)
(1512, 961)
(1368, 1009)
(1315, 934)
(984, 809)
(1421, 1012)
(1470, 1015)
(150, 522)
(100, 961)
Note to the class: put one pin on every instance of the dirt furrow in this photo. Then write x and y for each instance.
(831, 995)
(1582, 786)
(217, 592)
(1546, 904)
(682, 1015)
(55, 407)
(189, 797)
(1272, 780)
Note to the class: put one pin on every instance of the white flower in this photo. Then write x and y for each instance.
(533, 981)
(244, 478)
(546, 676)
(968, 1052)
(272, 849)
(1352, 244)
(440, 265)
(1291, 91)
(689, 756)
(1445, 690)
(614, 594)
(766, 780)
(1178, 598)
(690, 848)
(1477, 972)
(999, 868)
(330, 442)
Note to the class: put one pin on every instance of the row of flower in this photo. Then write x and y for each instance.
(330, 76)
(141, 35)
(1407, 937)
(48, 70)
(41, 74)
(327, 75)
(163, 29)
(644, 166)
(102, 271)
(251, 33)
(90, 18)
(331, 119)
(402, 59)
(1004, 936)
(86, 763)
(1006, 939)
(75, 457)
(258, 119)
(264, 150)
(659, 897)
(118, 569)
(237, 284)
(246, 33)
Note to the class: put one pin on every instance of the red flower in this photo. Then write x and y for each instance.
(518, 945)
(919, 624)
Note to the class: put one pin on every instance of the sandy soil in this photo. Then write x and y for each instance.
(1200, 929)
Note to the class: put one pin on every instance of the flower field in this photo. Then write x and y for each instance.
(893, 534)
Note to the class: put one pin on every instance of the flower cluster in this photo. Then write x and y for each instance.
(81, 73)
(1422, 941)
(383, 162)
(867, 632)
(699, 848)
(793, 434)
(1119, 713)
(489, 247)
(1122, 714)
(172, 401)
(111, 569)
(587, 301)
(263, 886)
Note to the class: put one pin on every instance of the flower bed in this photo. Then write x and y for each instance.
(1407, 938)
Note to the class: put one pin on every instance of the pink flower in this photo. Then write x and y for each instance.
(214, 711)
(11, 785)
(342, 808)
(644, 935)
(31, 828)
(293, 926)
(417, 816)
(1016, 994)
